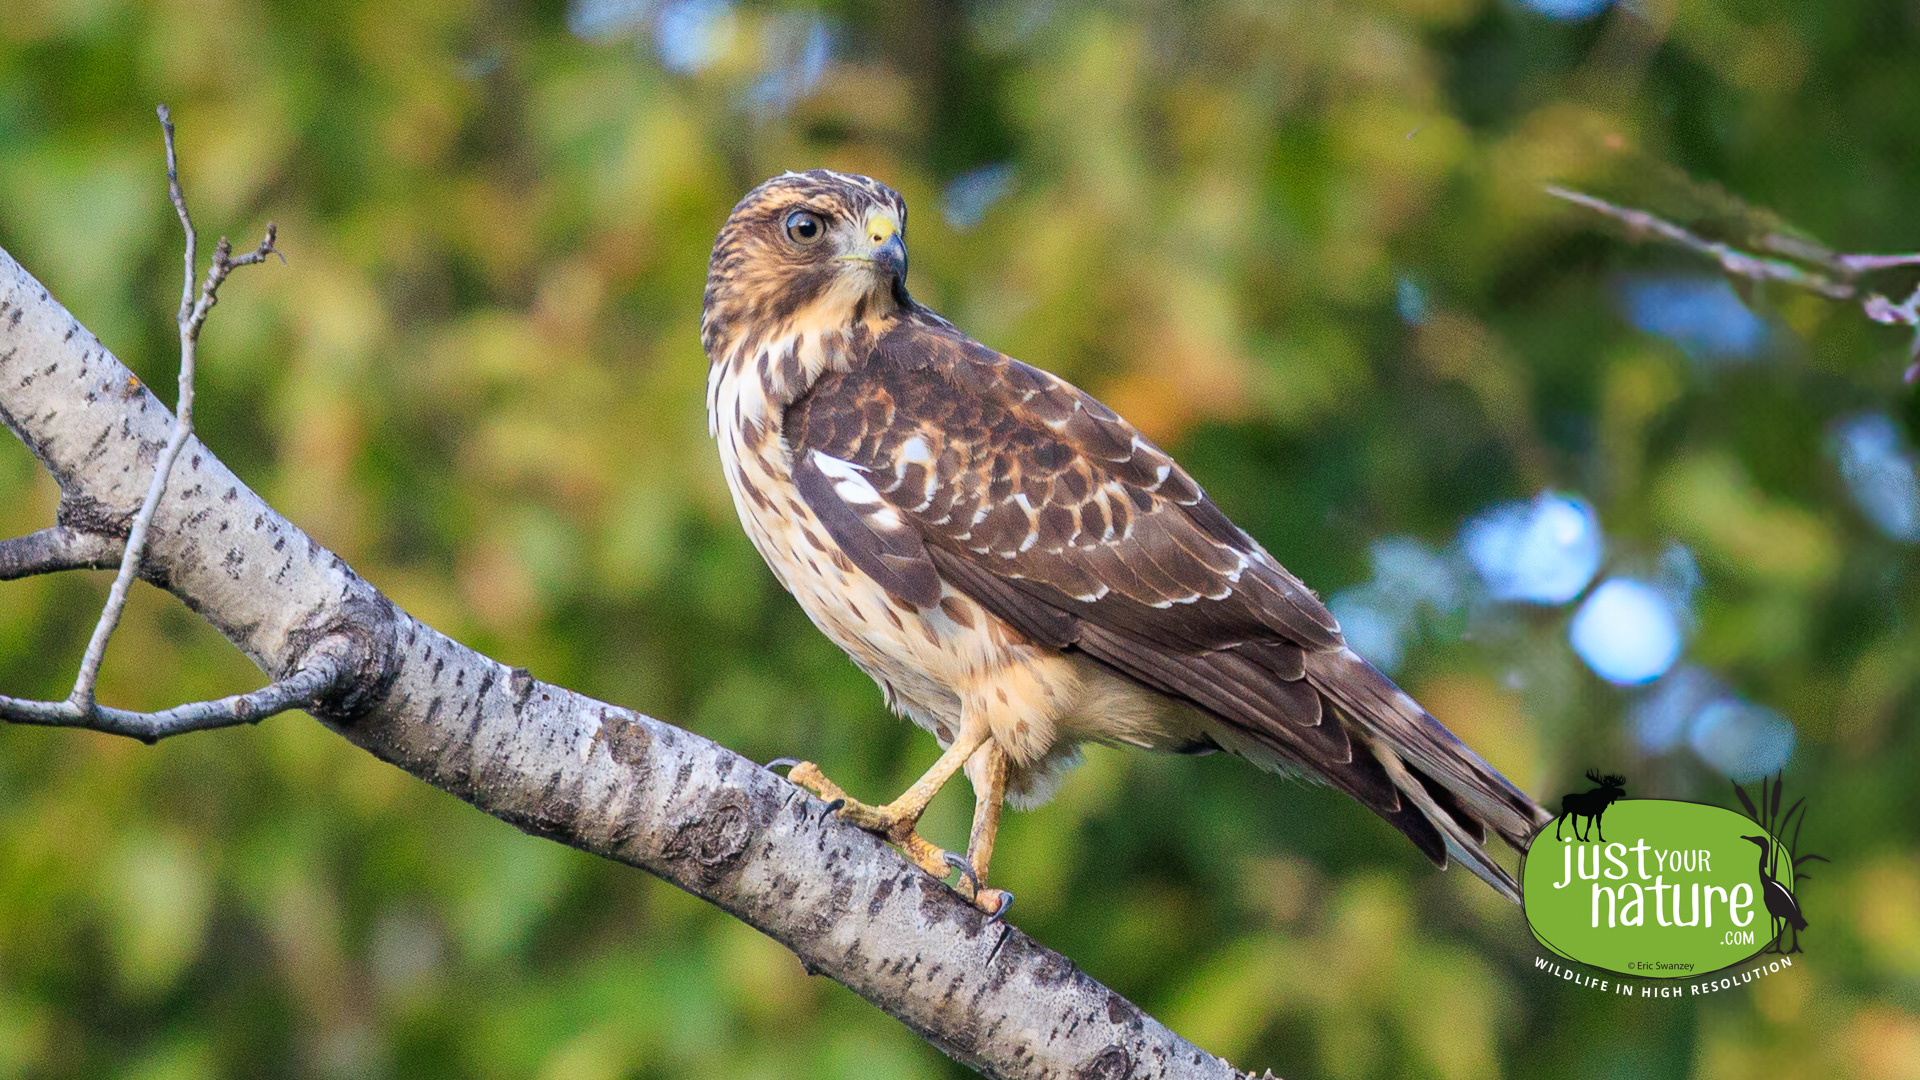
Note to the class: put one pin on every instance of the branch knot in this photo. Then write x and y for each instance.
(364, 631)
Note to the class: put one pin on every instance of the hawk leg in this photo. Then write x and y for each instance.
(895, 822)
(988, 772)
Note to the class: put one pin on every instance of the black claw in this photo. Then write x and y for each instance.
(1006, 905)
(960, 863)
(831, 807)
(781, 763)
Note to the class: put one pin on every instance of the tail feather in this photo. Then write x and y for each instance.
(1460, 844)
(1458, 793)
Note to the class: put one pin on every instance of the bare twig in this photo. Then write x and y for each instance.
(57, 548)
(65, 548)
(1906, 313)
(179, 198)
(1837, 283)
(1861, 264)
(1845, 266)
(193, 315)
(1731, 259)
(302, 689)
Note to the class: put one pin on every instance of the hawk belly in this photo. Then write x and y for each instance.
(936, 665)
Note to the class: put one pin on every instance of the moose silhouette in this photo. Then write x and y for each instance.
(1591, 805)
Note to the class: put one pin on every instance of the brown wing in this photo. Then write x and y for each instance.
(1054, 513)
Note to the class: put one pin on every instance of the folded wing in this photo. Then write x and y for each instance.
(939, 459)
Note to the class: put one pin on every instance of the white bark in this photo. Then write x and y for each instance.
(551, 762)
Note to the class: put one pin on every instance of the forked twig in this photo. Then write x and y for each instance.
(326, 667)
(1835, 280)
(61, 548)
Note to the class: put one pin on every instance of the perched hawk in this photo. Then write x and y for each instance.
(1018, 568)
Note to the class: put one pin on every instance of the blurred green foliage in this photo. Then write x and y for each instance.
(479, 380)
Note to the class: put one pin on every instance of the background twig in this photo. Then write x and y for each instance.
(1842, 268)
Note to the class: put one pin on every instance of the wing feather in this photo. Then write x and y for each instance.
(874, 533)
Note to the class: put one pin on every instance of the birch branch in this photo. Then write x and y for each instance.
(549, 761)
(58, 548)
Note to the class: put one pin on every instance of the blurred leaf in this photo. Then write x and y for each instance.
(158, 895)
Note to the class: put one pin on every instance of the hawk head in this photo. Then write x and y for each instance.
(821, 247)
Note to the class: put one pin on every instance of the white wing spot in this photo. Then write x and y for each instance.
(852, 487)
(837, 468)
(915, 451)
(912, 451)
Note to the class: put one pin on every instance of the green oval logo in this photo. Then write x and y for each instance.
(1675, 889)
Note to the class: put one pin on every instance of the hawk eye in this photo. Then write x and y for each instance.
(804, 227)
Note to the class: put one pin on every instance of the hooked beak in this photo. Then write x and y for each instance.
(889, 252)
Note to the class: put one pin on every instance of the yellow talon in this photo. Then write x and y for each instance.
(896, 822)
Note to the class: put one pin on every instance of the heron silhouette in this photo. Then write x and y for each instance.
(1781, 906)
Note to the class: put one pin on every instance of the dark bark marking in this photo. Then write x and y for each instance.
(627, 742)
(1113, 1063)
(84, 513)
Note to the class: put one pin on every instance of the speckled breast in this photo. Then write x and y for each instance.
(919, 658)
